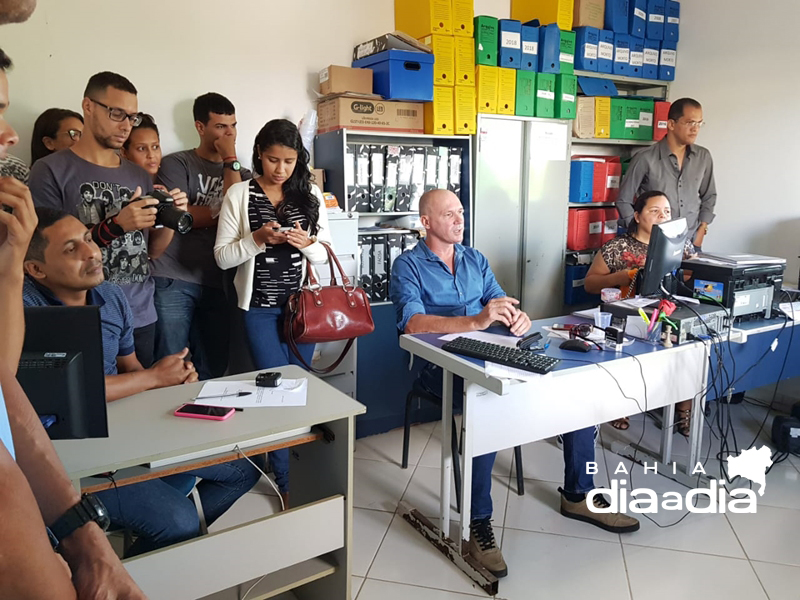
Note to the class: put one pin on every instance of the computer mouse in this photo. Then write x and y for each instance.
(575, 345)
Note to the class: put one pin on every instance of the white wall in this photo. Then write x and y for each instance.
(737, 58)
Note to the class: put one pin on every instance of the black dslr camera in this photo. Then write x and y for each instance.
(166, 213)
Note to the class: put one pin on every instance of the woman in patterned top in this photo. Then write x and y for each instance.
(270, 228)
(620, 259)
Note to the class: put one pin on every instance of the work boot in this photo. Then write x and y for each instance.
(483, 548)
(613, 522)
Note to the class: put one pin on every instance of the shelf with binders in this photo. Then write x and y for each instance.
(610, 142)
(632, 86)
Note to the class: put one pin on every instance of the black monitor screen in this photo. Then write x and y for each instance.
(664, 254)
(61, 370)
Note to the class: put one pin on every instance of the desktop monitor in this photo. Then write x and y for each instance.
(61, 370)
(664, 254)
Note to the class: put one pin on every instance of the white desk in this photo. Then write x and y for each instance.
(500, 414)
(306, 548)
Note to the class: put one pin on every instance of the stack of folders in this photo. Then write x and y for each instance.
(389, 178)
(377, 251)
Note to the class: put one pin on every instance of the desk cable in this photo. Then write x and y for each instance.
(272, 483)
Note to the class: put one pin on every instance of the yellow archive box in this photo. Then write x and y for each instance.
(463, 14)
(486, 82)
(465, 61)
(547, 11)
(506, 91)
(444, 66)
(439, 114)
(419, 18)
(602, 117)
(466, 117)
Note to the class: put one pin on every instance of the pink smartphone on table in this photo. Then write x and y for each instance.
(201, 411)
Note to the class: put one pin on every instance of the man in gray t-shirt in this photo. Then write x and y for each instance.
(189, 296)
(93, 183)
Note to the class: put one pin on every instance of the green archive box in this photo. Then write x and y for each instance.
(566, 92)
(646, 110)
(567, 52)
(526, 94)
(619, 107)
(545, 95)
(486, 40)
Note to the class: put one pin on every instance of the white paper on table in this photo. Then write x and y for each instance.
(597, 335)
(503, 372)
(637, 302)
(290, 392)
(792, 309)
(587, 314)
(482, 336)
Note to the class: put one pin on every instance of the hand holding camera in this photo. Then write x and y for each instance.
(156, 209)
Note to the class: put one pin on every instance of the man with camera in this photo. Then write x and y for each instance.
(60, 181)
(63, 267)
(189, 296)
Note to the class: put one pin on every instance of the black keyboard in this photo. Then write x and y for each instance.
(504, 355)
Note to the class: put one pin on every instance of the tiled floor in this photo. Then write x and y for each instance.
(709, 556)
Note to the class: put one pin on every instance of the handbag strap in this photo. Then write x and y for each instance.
(296, 351)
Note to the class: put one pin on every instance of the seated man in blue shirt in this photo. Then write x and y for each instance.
(64, 266)
(443, 287)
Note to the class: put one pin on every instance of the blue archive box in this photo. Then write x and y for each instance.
(586, 45)
(656, 16)
(667, 61)
(581, 181)
(400, 74)
(637, 18)
(530, 48)
(672, 26)
(622, 54)
(550, 49)
(509, 40)
(574, 290)
(605, 52)
(637, 58)
(651, 56)
(616, 18)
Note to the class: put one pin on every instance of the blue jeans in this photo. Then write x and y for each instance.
(193, 316)
(264, 328)
(578, 451)
(160, 512)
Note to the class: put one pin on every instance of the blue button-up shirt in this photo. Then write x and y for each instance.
(422, 284)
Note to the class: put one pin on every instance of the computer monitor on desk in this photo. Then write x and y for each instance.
(61, 370)
(664, 255)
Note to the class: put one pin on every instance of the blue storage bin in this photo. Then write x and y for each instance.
(672, 26)
(605, 52)
(622, 54)
(586, 44)
(581, 181)
(616, 17)
(550, 49)
(637, 18)
(400, 74)
(574, 292)
(656, 18)
(652, 53)
(667, 61)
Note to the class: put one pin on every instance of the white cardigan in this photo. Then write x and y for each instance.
(235, 246)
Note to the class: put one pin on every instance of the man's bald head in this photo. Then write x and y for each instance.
(16, 11)
(431, 200)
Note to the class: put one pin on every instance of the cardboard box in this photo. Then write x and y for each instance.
(318, 178)
(466, 118)
(545, 95)
(525, 103)
(439, 114)
(338, 80)
(463, 13)
(506, 91)
(444, 54)
(487, 32)
(660, 118)
(487, 80)
(419, 18)
(566, 93)
(588, 13)
(602, 117)
(546, 11)
(465, 61)
(352, 112)
(583, 125)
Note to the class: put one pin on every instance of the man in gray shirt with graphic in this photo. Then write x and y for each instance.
(678, 167)
(189, 297)
(91, 181)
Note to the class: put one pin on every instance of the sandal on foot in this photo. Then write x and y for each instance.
(683, 421)
(621, 424)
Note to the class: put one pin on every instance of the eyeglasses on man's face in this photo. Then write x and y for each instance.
(692, 124)
(119, 115)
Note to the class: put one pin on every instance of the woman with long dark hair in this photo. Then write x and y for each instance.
(270, 228)
(55, 129)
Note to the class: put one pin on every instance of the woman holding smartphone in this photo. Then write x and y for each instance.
(271, 229)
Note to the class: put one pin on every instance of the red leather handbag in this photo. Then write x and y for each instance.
(316, 314)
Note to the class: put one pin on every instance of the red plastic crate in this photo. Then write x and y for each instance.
(660, 117)
(585, 228)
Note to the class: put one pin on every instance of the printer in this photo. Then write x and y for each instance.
(745, 284)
